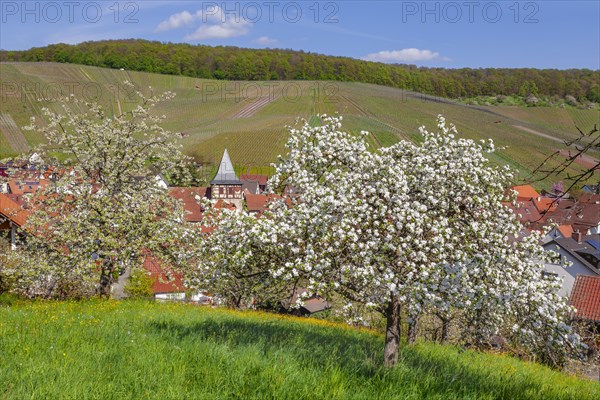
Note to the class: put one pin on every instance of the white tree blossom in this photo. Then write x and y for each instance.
(104, 211)
(404, 229)
(235, 258)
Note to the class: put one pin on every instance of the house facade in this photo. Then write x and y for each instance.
(579, 256)
(12, 217)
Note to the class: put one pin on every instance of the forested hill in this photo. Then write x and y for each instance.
(234, 63)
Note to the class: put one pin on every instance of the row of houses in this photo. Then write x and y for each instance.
(245, 193)
(574, 235)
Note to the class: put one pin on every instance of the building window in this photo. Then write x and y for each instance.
(547, 274)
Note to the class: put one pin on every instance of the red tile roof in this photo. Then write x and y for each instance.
(312, 304)
(12, 210)
(14, 188)
(526, 191)
(565, 230)
(18, 198)
(526, 211)
(582, 216)
(223, 204)
(256, 202)
(49, 171)
(193, 212)
(316, 304)
(543, 204)
(590, 198)
(164, 281)
(261, 179)
(259, 202)
(585, 297)
(19, 187)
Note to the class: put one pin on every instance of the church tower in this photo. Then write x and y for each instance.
(226, 184)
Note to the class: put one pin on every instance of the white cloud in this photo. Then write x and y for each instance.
(214, 24)
(177, 20)
(222, 30)
(404, 55)
(266, 41)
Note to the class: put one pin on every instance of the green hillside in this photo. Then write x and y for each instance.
(249, 118)
(235, 63)
(147, 350)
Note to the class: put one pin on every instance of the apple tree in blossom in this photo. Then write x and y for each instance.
(404, 230)
(104, 210)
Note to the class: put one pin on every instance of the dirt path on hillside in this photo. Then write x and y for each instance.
(254, 107)
(13, 134)
(366, 113)
(513, 121)
(363, 113)
(443, 100)
(584, 160)
(540, 134)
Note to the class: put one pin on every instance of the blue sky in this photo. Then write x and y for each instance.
(538, 34)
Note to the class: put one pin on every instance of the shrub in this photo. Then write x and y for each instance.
(6, 266)
(572, 101)
(139, 284)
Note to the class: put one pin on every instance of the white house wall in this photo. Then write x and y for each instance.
(568, 274)
(169, 296)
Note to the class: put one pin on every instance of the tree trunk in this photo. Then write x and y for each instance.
(106, 279)
(445, 323)
(234, 302)
(445, 320)
(392, 333)
(412, 328)
(105, 284)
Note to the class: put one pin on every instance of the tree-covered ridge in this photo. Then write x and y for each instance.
(235, 63)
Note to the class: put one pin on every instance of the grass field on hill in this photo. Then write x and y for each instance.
(249, 118)
(135, 350)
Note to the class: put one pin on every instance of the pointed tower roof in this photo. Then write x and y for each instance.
(226, 174)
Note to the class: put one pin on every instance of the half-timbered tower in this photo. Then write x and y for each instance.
(226, 184)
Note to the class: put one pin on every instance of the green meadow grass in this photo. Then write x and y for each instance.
(147, 350)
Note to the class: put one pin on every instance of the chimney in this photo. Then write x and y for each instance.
(576, 235)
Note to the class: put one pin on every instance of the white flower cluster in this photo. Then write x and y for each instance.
(104, 212)
(422, 225)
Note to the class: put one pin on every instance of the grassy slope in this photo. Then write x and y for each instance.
(109, 350)
(206, 111)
